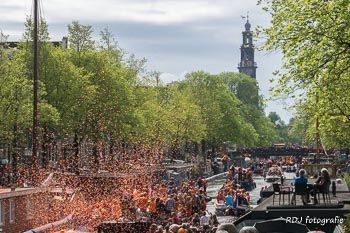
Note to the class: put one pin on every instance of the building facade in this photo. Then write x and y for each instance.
(20, 208)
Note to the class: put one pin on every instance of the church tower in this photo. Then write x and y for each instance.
(247, 64)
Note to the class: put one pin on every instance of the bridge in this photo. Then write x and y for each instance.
(275, 151)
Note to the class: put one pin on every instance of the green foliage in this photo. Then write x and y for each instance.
(15, 95)
(220, 109)
(80, 37)
(43, 34)
(95, 94)
(244, 87)
(246, 90)
(107, 41)
(313, 37)
(280, 127)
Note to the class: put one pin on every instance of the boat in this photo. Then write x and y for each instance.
(247, 184)
(244, 178)
(220, 207)
(272, 225)
(274, 174)
(259, 169)
(240, 207)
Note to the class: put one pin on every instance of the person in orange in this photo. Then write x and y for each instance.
(163, 192)
(221, 196)
(182, 229)
(142, 202)
(152, 207)
(135, 194)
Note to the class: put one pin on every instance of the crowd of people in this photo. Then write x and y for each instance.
(164, 204)
(167, 204)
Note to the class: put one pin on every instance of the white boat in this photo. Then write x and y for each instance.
(274, 174)
(220, 207)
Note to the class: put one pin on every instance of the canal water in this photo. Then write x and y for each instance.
(215, 185)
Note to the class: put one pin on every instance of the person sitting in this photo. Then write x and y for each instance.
(221, 196)
(322, 182)
(195, 220)
(241, 200)
(214, 220)
(324, 177)
(229, 199)
(302, 180)
(175, 219)
(204, 221)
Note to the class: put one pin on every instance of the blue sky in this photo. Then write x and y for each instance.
(175, 36)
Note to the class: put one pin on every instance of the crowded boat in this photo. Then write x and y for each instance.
(233, 197)
(274, 173)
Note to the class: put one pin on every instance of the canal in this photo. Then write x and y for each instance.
(215, 185)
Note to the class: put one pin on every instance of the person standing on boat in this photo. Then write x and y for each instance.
(225, 160)
(200, 182)
(232, 171)
(239, 175)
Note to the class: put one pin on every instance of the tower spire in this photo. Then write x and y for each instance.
(247, 64)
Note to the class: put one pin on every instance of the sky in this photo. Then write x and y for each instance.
(175, 36)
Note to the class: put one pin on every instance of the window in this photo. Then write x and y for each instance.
(12, 211)
(1, 213)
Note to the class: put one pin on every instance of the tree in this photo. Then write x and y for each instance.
(3, 38)
(16, 102)
(275, 118)
(219, 107)
(313, 37)
(243, 86)
(80, 36)
(107, 40)
(43, 33)
(251, 106)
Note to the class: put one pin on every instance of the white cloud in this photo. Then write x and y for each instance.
(169, 77)
(199, 34)
(149, 11)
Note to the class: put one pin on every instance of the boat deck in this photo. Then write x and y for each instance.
(338, 207)
(342, 201)
(341, 188)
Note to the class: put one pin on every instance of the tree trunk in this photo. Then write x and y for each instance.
(14, 152)
(75, 158)
(44, 152)
(95, 156)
